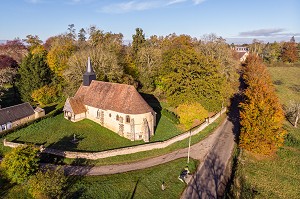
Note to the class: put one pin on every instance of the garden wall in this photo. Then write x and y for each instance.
(126, 150)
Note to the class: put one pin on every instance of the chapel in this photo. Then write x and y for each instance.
(118, 107)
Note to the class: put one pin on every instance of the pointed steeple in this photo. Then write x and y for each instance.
(89, 75)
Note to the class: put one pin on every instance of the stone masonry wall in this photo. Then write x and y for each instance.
(126, 150)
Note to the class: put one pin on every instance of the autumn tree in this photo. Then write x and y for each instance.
(61, 49)
(7, 62)
(14, 49)
(7, 76)
(191, 114)
(20, 163)
(261, 113)
(82, 35)
(289, 52)
(34, 73)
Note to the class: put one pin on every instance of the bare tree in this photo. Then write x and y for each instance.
(294, 112)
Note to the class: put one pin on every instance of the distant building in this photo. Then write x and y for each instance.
(242, 52)
(14, 116)
(118, 107)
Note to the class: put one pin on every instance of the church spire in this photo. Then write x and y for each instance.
(89, 75)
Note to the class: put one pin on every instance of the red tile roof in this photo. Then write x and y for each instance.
(121, 98)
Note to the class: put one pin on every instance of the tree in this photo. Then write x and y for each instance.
(33, 42)
(188, 76)
(61, 49)
(191, 114)
(7, 76)
(289, 52)
(47, 184)
(20, 163)
(138, 39)
(7, 62)
(293, 112)
(34, 74)
(261, 113)
(15, 49)
(81, 35)
(71, 32)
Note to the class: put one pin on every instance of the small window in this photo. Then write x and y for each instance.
(127, 119)
(117, 117)
(110, 115)
(98, 114)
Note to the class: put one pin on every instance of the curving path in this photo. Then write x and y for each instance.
(198, 151)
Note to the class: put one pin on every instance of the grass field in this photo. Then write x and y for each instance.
(136, 184)
(58, 132)
(287, 83)
(277, 176)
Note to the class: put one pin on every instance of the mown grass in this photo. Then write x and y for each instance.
(148, 154)
(136, 184)
(57, 132)
(276, 176)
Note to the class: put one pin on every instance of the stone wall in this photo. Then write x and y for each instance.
(126, 150)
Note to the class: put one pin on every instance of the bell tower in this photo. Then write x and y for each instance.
(89, 75)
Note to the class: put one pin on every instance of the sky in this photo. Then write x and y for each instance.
(237, 21)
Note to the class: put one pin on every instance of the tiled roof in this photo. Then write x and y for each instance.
(121, 98)
(74, 105)
(14, 113)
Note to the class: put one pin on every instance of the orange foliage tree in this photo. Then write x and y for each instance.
(262, 115)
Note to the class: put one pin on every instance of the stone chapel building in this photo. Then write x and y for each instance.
(118, 107)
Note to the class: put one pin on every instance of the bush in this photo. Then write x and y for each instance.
(20, 163)
(48, 184)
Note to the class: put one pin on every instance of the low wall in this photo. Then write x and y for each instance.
(126, 150)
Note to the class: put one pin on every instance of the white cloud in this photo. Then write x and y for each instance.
(139, 5)
(197, 2)
(263, 32)
(175, 2)
(130, 6)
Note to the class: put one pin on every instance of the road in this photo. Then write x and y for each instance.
(211, 177)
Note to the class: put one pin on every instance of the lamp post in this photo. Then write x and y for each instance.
(188, 160)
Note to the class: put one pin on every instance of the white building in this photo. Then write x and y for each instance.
(118, 107)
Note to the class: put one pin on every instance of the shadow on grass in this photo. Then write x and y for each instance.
(155, 104)
(67, 143)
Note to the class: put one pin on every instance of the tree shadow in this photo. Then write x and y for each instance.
(155, 105)
(67, 143)
(50, 108)
(209, 182)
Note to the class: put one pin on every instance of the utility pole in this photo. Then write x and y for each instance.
(188, 160)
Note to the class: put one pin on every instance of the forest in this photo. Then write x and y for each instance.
(197, 74)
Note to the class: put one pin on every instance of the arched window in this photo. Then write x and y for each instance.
(98, 114)
(127, 119)
(117, 117)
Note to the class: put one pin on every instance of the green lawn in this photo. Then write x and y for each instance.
(287, 83)
(277, 176)
(136, 184)
(57, 132)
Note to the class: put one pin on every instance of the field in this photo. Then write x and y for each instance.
(136, 184)
(277, 176)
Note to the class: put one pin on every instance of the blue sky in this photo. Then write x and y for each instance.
(235, 20)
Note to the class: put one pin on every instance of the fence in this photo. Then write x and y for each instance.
(126, 150)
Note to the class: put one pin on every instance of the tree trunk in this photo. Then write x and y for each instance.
(296, 120)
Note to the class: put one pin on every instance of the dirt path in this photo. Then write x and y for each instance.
(198, 151)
